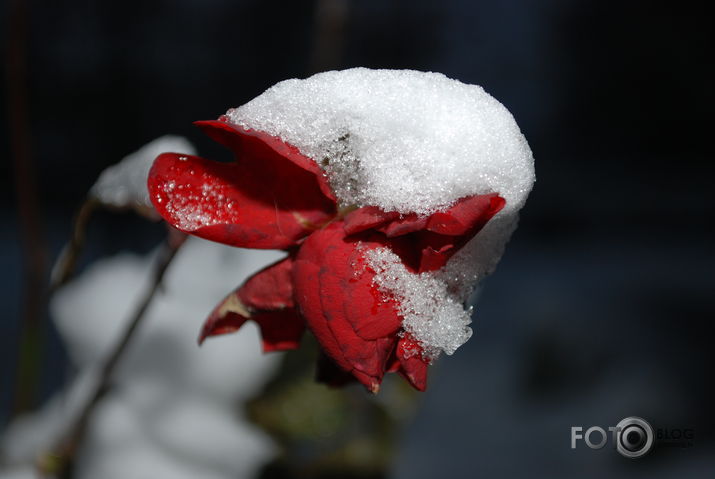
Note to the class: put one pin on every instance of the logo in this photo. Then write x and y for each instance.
(632, 437)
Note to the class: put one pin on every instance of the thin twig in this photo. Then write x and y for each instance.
(59, 462)
(67, 262)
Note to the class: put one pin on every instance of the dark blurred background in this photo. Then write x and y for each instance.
(603, 304)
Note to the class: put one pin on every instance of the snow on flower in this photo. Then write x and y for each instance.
(392, 192)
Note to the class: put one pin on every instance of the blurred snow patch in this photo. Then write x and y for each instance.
(124, 184)
(174, 411)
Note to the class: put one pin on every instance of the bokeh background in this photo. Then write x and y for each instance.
(603, 305)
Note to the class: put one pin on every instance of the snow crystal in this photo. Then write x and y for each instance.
(432, 313)
(408, 141)
(402, 140)
(124, 184)
(193, 209)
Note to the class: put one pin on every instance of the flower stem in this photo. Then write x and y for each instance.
(58, 463)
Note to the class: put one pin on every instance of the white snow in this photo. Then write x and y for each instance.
(174, 411)
(124, 183)
(431, 313)
(408, 141)
(402, 140)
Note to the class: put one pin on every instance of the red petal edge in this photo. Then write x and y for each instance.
(261, 200)
(412, 366)
(267, 299)
(425, 243)
(227, 134)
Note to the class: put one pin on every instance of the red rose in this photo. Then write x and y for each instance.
(272, 196)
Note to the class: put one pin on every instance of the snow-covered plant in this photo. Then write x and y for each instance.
(392, 193)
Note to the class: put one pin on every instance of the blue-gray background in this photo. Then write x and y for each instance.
(602, 307)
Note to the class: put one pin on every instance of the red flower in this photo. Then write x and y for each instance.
(272, 196)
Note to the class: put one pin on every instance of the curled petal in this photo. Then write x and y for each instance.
(335, 293)
(465, 216)
(239, 139)
(426, 243)
(227, 317)
(280, 330)
(262, 200)
(267, 299)
(446, 232)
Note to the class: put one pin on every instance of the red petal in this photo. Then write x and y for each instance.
(405, 225)
(433, 259)
(262, 200)
(466, 216)
(267, 299)
(336, 295)
(367, 217)
(269, 289)
(307, 296)
(239, 139)
(446, 232)
(426, 243)
(221, 323)
(413, 366)
(228, 316)
(281, 330)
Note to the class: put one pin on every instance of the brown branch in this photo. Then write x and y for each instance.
(31, 231)
(59, 462)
